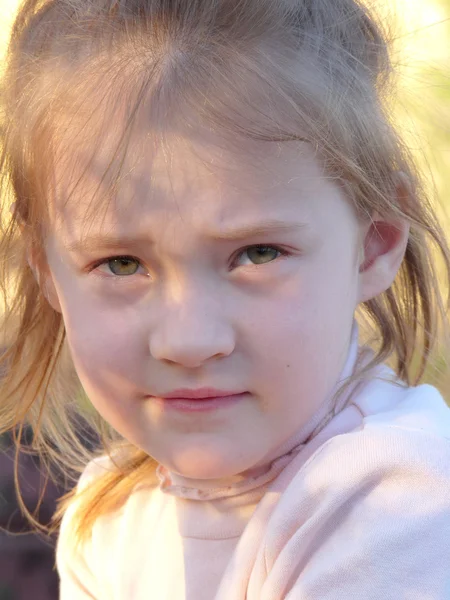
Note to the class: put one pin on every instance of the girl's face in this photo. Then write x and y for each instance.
(236, 276)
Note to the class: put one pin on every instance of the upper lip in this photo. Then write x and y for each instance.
(200, 393)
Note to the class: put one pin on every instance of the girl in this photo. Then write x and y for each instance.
(202, 195)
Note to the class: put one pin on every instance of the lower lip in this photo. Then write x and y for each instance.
(202, 405)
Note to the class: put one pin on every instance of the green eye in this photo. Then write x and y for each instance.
(123, 266)
(260, 255)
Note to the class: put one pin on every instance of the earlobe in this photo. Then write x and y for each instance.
(384, 246)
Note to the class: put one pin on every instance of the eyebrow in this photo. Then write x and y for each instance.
(105, 242)
(260, 229)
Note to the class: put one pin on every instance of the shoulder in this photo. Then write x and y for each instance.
(83, 562)
(404, 430)
(93, 471)
(382, 453)
(403, 437)
(75, 559)
(90, 476)
(366, 516)
(107, 483)
(386, 402)
(380, 460)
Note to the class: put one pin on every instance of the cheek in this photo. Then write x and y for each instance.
(303, 332)
(106, 345)
(320, 296)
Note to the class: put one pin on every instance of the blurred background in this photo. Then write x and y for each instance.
(422, 54)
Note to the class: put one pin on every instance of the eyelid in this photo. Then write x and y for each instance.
(107, 259)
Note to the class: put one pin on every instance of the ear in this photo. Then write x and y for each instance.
(44, 279)
(384, 245)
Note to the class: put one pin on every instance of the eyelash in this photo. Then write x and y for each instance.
(282, 252)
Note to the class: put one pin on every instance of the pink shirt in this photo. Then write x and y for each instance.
(359, 511)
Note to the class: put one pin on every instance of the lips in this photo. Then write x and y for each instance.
(206, 393)
(201, 400)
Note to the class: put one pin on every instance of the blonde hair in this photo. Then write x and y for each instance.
(265, 70)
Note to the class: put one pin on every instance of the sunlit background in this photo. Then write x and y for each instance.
(422, 54)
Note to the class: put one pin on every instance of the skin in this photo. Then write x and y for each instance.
(198, 311)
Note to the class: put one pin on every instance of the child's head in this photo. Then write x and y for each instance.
(204, 193)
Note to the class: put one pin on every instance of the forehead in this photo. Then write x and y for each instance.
(201, 179)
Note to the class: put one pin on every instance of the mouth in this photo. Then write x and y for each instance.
(200, 400)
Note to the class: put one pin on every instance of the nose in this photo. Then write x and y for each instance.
(191, 332)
